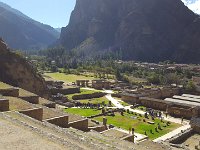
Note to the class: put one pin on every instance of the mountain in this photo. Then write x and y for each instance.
(145, 30)
(16, 71)
(22, 32)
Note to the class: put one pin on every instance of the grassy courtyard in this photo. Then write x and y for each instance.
(82, 112)
(129, 120)
(68, 77)
(125, 122)
(96, 100)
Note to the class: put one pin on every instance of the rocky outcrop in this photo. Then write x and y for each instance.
(146, 30)
(16, 71)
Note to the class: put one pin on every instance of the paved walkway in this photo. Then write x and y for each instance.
(114, 101)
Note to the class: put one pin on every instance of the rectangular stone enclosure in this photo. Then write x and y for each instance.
(4, 105)
(36, 113)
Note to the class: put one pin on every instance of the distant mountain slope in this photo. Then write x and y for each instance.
(22, 32)
(145, 30)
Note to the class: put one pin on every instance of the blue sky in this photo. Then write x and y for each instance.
(52, 12)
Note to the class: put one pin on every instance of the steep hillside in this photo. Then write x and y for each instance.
(147, 30)
(16, 71)
(22, 32)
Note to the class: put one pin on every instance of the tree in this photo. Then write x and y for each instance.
(190, 87)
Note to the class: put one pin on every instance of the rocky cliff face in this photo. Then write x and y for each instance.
(147, 30)
(16, 71)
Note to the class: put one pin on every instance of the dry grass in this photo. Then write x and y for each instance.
(50, 113)
(4, 86)
(114, 133)
(17, 104)
(24, 93)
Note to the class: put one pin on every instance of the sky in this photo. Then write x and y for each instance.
(55, 13)
(194, 5)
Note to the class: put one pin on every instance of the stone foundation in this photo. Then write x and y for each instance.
(36, 113)
(14, 92)
(4, 105)
(61, 121)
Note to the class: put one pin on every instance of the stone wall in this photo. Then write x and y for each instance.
(4, 105)
(31, 99)
(153, 103)
(61, 121)
(88, 96)
(80, 125)
(181, 137)
(195, 124)
(180, 112)
(130, 99)
(65, 91)
(169, 92)
(36, 113)
(14, 92)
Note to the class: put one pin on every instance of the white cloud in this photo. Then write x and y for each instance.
(194, 5)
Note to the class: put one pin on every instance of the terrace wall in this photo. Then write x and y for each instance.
(36, 113)
(80, 125)
(31, 99)
(4, 105)
(61, 121)
(14, 92)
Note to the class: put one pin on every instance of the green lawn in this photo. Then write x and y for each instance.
(96, 100)
(126, 122)
(83, 112)
(68, 77)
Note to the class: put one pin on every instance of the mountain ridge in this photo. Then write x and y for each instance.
(153, 31)
(33, 35)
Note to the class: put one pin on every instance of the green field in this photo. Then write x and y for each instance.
(96, 100)
(68, 77)
(125, 122)
(83, 112)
